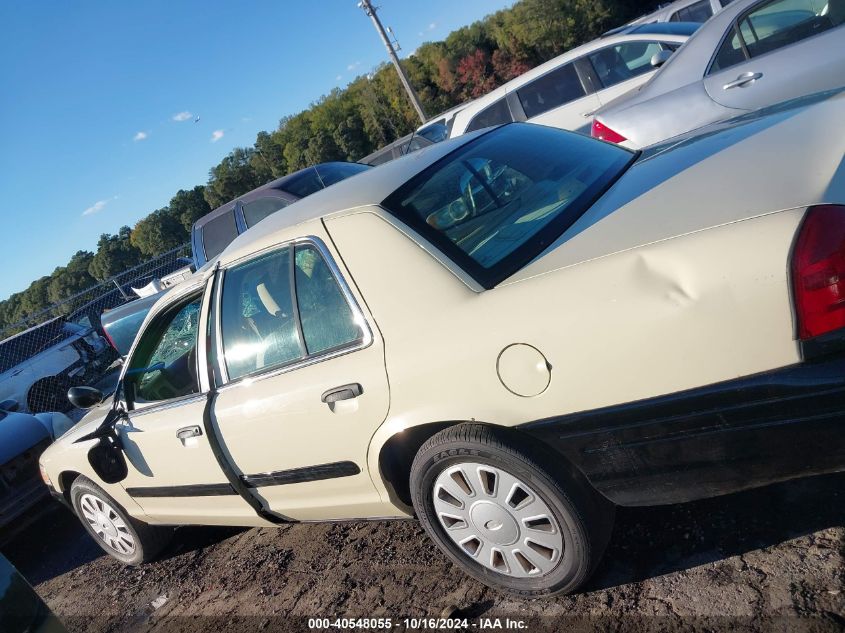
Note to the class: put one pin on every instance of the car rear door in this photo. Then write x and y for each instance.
(303, 382)
(561, 98)
(173, 472)
(779, 50)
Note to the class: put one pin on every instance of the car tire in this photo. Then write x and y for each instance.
(130, 541)
(508, 513)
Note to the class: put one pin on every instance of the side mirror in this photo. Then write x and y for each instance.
(9, 405)
(84, 397)
(658, 59)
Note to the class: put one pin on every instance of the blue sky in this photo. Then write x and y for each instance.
(99, 99)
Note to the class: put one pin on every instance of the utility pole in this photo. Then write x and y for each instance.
(370, 10)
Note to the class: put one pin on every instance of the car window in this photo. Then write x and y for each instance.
(776, 24)
(615, 64)
(257, 210)
(169, 345)
(698, 12)
(725, 3)
(553, 89)
(494, 114)
(258, 324)
(492, 204)
(327, 320)
(782, 22)
(218, 233)
(304, 184)
(11, 354)
(259, 317)
(330, 173)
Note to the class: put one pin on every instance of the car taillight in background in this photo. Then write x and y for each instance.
(601, 131)
(110, 340)
(818, 271)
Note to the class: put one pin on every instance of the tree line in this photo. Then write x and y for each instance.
(345, 124)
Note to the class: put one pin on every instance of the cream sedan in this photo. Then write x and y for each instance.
(505, 334)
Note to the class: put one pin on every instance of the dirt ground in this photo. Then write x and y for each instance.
(764, 560)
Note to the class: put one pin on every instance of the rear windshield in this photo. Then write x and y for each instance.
(498, 201)
(122, 332)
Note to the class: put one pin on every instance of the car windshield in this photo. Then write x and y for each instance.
(498, 201)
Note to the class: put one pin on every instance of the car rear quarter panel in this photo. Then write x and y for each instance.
(703, 307)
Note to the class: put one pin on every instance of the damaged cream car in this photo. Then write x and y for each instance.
(507, 335)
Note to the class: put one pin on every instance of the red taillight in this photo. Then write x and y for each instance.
(600, 130)
(818, 271)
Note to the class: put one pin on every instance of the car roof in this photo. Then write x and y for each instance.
(278, 183)
(368, 188)
(479, 104)
(657, 28)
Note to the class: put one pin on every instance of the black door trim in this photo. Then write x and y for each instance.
(197, 490)
(301, 475)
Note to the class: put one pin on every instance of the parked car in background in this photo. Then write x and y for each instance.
(38, 365)
(23, 437)
(752, 54)
(565, 91)
(122, 323)
(21, 609)
(398, 148)
(214, 231)
(435, 130)
(506, 334)
(684, 11)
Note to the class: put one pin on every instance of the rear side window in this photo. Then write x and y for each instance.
(218, 233)
(777, 24)
(619, 63)
(553, 89)
(327, 320)
(331, 173)
(281, 308)
(697, 12)
(494, 114)
(257, 210)
(304, 184)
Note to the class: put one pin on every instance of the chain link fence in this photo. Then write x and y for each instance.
(47, 352)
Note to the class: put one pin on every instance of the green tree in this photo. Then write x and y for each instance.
(115, 253)
(189, 205)
(233, 177)
(159, 232)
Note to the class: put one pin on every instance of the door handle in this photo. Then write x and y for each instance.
(345, 392)
(188, 431)
(742, 80)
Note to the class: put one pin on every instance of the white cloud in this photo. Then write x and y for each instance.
(98, 206)
(183, 116)
(353, 66)
(216, 135)
(140, 136)
(432, 26)
(338, 78)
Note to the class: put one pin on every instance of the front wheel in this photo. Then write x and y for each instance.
(506, 514)
(128, 540)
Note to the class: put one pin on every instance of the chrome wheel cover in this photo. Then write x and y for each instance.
(107, 524)
(497, 520)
